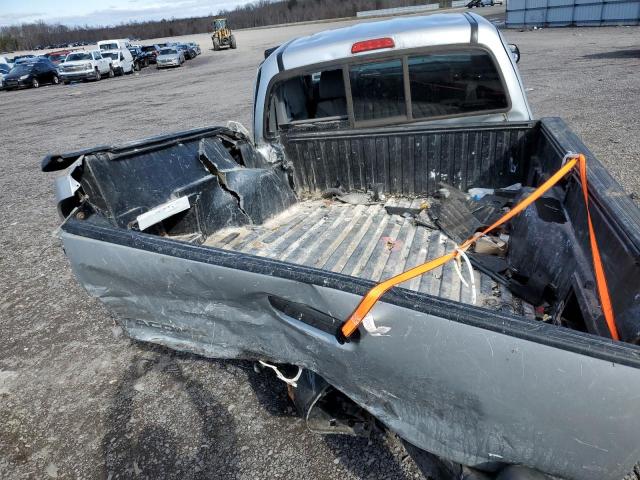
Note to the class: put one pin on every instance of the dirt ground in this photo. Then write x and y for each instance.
(79, 400)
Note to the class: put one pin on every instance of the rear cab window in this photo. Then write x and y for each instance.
(454, 83)
(374, 91)
(377, 90)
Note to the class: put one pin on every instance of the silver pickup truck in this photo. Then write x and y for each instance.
(376, 148)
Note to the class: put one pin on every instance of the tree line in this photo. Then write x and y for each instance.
(256, 14)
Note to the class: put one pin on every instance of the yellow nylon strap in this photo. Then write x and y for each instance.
(373, 295)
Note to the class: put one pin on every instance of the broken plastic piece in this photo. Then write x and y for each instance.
(490, 245)
(239, 128)
(453, 214)
(215, 157)
(424, 219)
(356, 198)
(443, 193)
(352, 198)
(514, 188)
(330, 193)
(396, 210)
(490, 208)
(162, 212)
(478, 193)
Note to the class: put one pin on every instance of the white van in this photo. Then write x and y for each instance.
(116, 44)
(118, 51)
(121, 59)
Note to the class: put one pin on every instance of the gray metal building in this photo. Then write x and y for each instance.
(564, 13)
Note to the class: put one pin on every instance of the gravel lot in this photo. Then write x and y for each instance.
(79, 400)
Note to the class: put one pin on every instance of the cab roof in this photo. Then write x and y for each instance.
(406, 32)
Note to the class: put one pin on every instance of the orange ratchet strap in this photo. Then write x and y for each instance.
(372, 297)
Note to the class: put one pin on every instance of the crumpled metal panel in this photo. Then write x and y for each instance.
(261, 192)
(469, 394)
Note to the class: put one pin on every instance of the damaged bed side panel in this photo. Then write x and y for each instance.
(220, 189)
(260, 192)
(470, 394)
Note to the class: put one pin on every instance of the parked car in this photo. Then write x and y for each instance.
(31, 73)
(195, 47)
(57, 57)
(170, 57)
(141, 59)
(22, 59)
(121, 60)
(481, 3)
(85, 65)
(188, 52)
(152, 51)
(4, 70)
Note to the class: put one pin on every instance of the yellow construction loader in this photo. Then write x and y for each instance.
(222, 36)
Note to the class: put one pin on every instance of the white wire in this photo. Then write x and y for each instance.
(289, 381)
(472, 278)
(456, 264)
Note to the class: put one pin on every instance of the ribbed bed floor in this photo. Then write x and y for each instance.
(364, 241)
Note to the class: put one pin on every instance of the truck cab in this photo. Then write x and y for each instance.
(416, 70)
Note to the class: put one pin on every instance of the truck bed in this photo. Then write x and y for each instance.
(223, 271)
(212, 186)
(364, 241)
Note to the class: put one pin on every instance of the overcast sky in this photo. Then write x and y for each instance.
(106, 12)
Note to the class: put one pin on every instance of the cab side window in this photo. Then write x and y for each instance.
(97, 56)
(313, 96)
